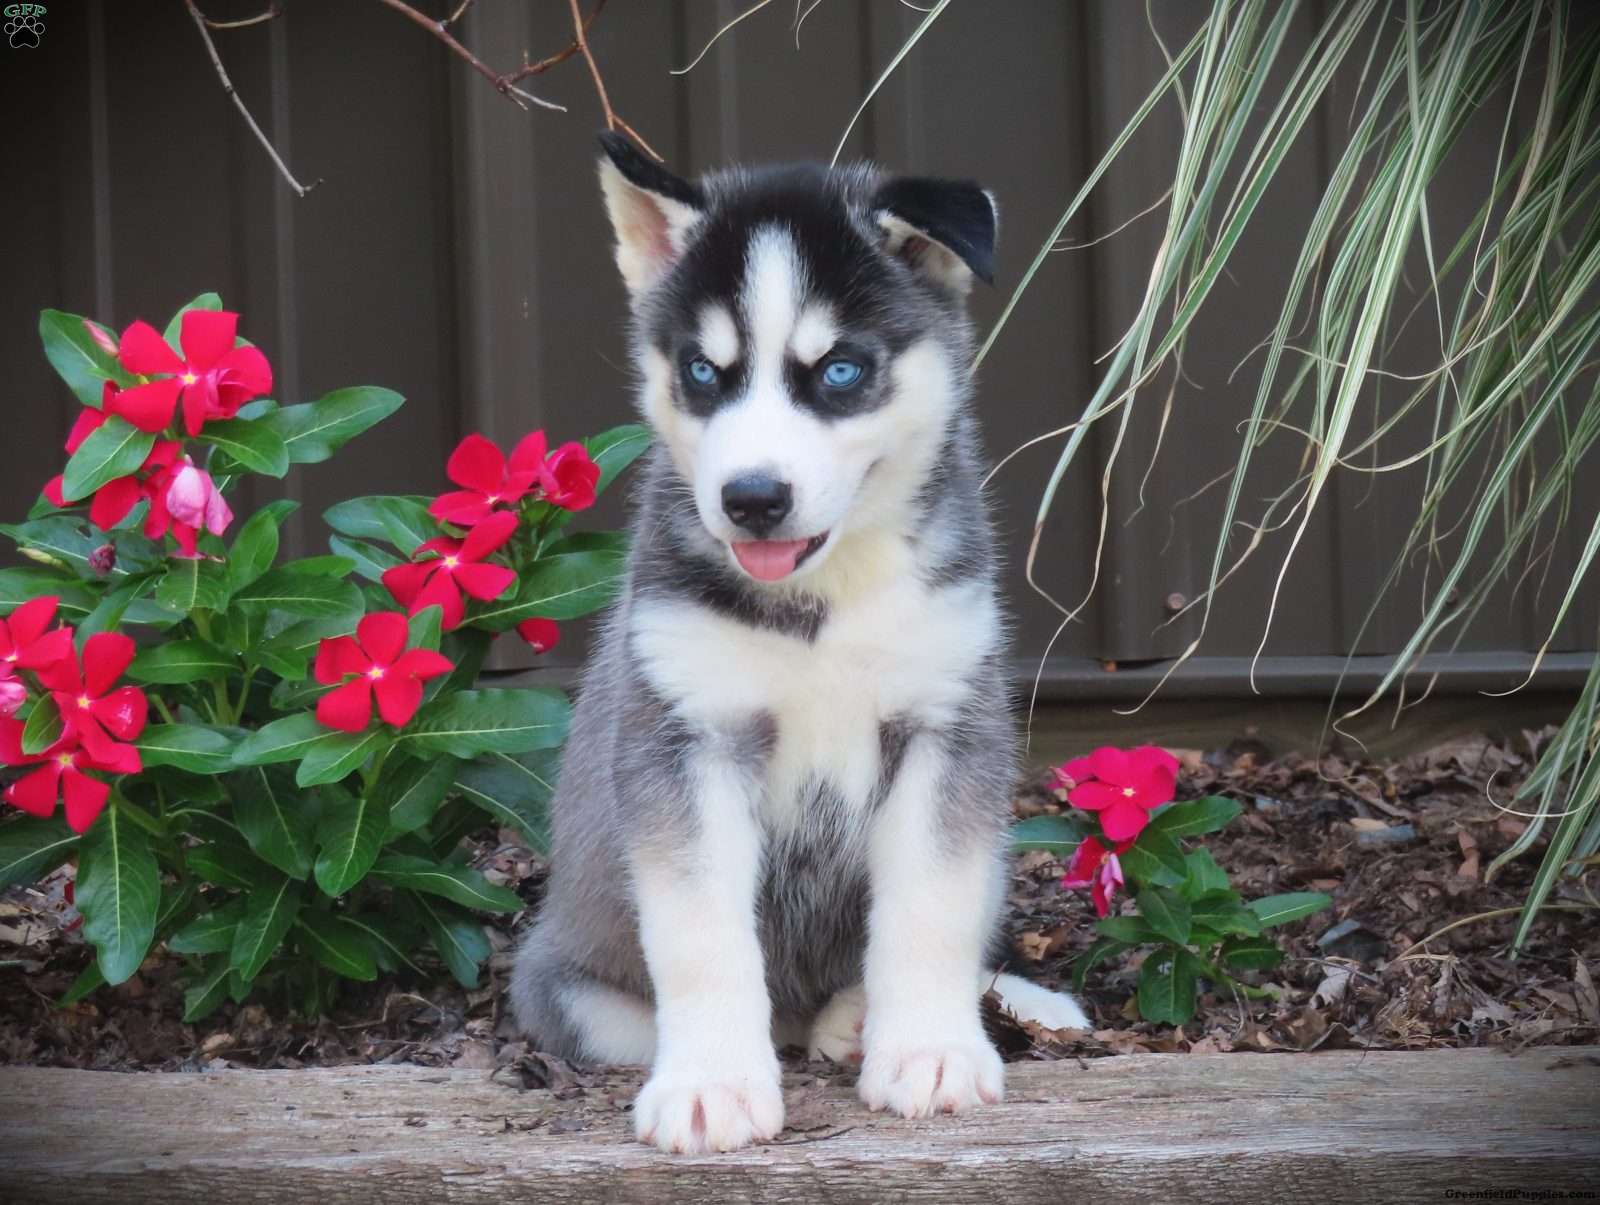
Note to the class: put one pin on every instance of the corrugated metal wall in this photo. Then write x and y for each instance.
(456, 250)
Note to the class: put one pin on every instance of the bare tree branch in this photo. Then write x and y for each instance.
(613, 122)
(200, 23)
(502, 83)
(557, 59)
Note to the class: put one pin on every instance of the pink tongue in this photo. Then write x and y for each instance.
(769, 560)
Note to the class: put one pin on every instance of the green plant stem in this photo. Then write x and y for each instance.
(138, 815)
(161, 706)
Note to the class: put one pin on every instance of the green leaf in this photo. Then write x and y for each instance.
(210, 932)
(315, 431)
(457, 936)
(1251, 953)
(192, 747)
(349, 839)
(59, 536)
(412, 790)
(1060, 835)
(516, 791)
(114, 449)
(1102, 949)
(44, 726)
(178, 661)
(111, 608)
(489, 721)
(207, 993)
(343, 948)
(274, 818)
(1281, 909)
(615, 450)
(1167, 981)
(341, 755)
(1203, 874)
(1131, 930)
(78, 357)
(27, 582)
(391, 937)
(226, 863)
(89, 980)
(288, 739)
(371, 562)
(193, 584)
(251, 445)
(30, 847)
(1196, 817)
(458, 883)
(424, 629)
(312, 596)
(1221, 912)
(1155, 859)
(119, 892)
(291, 650)
(559, 586)
(401, 521)
(1166, 912)
(256, 546)
(270, 908)
(174, 332)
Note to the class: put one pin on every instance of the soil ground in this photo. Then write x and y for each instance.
(1402, 846)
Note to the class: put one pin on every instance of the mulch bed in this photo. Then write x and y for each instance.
(1401, 846)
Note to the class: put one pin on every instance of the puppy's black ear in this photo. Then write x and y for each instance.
(651, 211)
(945, 229)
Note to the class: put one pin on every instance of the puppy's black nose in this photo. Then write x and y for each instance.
(757, 503)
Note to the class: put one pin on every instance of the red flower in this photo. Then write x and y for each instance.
(1096, 867)
(1123, 785)
(377, 655)
(570, 477)
(24, 642)
(459, 565)
(91, 709)
(113, 500)
(60, 776)
(213, 376)
(487, 481)
(541, 634)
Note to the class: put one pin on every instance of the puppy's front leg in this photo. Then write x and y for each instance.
(934, 895)
(715, 1085)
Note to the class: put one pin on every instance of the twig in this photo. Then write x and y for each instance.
(461, 10)
(613, 122)
(503, 83)
(749, 12)
(557, 59)
(274, 9)
(227, 86)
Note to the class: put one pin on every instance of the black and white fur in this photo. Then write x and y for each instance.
(782, 810)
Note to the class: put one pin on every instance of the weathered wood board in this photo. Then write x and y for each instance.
(1315, 1128)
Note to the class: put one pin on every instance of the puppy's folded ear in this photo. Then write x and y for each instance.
(651, 211)
(945, 229)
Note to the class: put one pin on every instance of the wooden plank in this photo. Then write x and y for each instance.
(1322, 1128)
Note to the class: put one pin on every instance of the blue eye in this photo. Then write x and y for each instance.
(702, 371)
(841, 374)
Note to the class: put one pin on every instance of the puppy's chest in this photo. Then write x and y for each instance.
(886, 664)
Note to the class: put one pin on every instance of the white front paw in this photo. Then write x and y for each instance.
(918, 1079)
(689, 1110)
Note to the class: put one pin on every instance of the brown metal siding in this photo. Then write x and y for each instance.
(456, 250)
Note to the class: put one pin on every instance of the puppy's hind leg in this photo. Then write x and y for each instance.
(1027, 1001)
(569, 1013)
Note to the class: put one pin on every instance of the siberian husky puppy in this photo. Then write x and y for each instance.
(782, 810)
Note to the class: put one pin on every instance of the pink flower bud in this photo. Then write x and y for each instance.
(12, 696)
(193, 498)
(103, 559)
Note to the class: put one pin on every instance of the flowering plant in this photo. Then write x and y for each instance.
(1131, 834)
(266, 766)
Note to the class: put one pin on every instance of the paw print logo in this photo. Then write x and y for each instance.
(24, 29)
